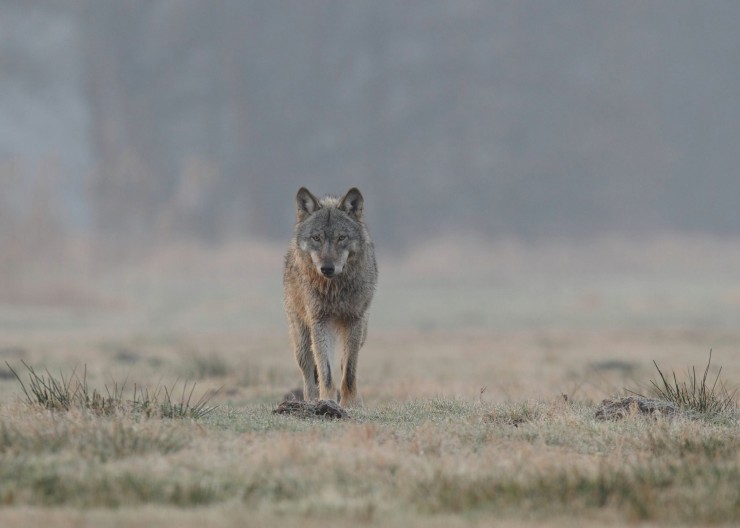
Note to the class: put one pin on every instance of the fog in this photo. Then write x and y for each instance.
(126, 127)
(552, 189)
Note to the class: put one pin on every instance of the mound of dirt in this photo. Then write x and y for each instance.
(312, 409)
(619, 408)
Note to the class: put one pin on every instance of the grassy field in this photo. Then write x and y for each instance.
(464, 424)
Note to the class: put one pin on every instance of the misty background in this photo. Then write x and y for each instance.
(126, 126)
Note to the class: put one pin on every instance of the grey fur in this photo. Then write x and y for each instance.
(329, 280)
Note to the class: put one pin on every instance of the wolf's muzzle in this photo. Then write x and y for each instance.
(328, 270)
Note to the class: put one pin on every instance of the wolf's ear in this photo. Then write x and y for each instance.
(307, 203)
(352, 203)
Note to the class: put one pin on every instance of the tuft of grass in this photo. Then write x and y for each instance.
(697, 394)
(163, 403)
(67, 393)
(186, 407)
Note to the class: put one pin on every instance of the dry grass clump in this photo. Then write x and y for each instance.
(60, 393)
(696, 394)
(695, 397)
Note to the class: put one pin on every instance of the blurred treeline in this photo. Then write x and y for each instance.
(139, 122)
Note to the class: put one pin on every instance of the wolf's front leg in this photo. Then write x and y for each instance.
(322, 343)
(300, 335)
(353, 337)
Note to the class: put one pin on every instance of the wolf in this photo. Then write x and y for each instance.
(329, 282)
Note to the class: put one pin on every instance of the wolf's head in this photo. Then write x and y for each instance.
(329, 230)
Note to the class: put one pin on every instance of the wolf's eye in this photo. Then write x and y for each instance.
(342, 237)
(317, 238)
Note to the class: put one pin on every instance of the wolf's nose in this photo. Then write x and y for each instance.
(328, 271)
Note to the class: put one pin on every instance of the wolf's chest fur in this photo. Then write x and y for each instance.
(340, 298)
